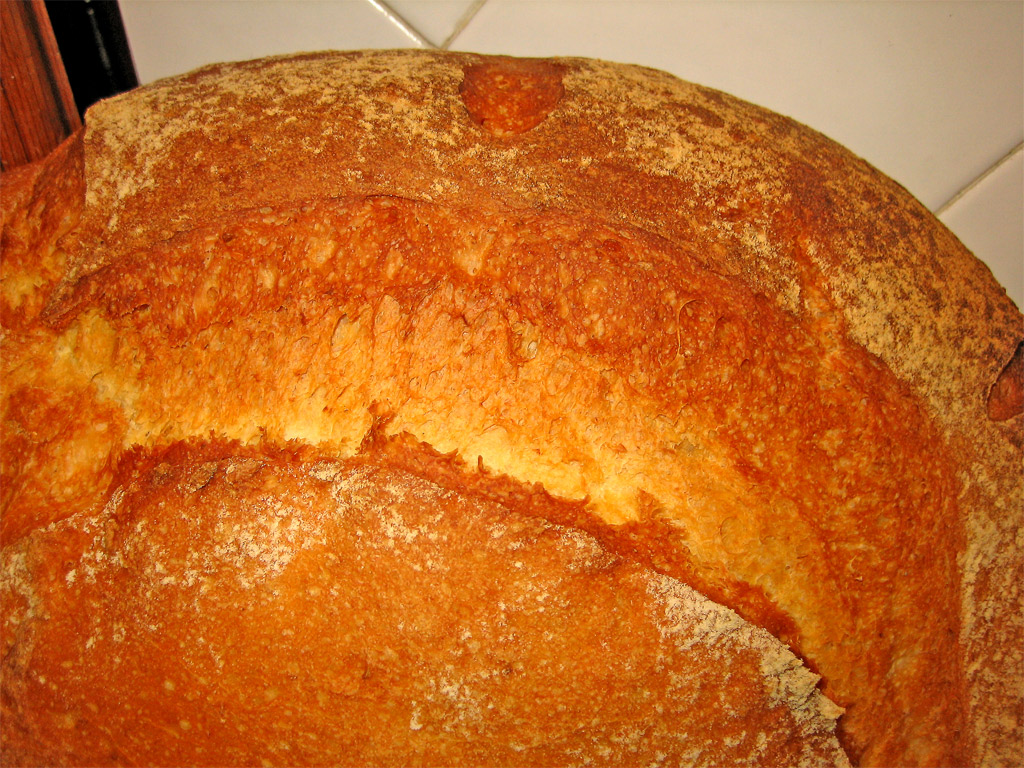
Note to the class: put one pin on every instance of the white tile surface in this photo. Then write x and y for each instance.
(168, 37)
(987, 220)
(434, 19)
(932, 93)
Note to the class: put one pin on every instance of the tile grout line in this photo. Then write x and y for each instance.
(462, 23)
(407, 29)
(938, 212)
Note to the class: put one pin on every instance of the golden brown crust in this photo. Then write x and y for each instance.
(308, 612)
(39, 203)
(722, 346)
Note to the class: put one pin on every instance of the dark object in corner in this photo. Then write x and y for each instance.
(94, 47)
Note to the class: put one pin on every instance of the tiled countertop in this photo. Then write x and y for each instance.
(931, 93)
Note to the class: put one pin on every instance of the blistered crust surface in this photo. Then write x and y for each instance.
(695, 319)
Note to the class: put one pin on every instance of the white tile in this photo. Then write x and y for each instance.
(932, 93)
(434, 19)
(175, 36)
(989, 219)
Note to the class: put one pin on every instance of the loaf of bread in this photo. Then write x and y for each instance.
(421, 408)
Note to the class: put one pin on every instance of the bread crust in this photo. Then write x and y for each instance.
(344, 621)
(733, 353)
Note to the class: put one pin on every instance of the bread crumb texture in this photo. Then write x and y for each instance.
(426, 408)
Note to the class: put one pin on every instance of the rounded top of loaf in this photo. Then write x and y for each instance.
(765, 197)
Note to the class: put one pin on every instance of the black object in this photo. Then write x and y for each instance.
(94, 47)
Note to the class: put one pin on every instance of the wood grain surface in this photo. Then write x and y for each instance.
(38, 109)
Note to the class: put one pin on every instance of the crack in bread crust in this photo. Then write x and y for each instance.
(599, 364)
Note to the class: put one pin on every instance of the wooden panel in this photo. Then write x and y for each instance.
(37, 110)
